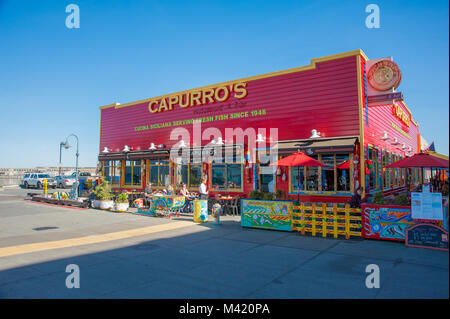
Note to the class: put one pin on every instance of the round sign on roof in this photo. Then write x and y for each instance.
(384, 75)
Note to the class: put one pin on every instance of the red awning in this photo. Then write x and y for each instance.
(420, 160)
(298, 159)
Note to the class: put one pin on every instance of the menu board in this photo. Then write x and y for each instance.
(426, 206)
(427, 236)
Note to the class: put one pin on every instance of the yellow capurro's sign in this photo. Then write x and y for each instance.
(401, 115)
(205, 96)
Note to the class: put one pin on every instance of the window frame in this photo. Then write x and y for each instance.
(160, 185)
(124, 166)
(320, 190)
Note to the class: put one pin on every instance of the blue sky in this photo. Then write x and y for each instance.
(53, 79)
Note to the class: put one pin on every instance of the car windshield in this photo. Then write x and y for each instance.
(44, 176)
(67, 177)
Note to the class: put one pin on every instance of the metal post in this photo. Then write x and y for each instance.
(60, 147)
(76, 165)
(298, 184)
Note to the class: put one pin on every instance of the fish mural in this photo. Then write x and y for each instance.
(386, 222)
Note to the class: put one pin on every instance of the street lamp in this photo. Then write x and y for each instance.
(61, 145)
(66, 146)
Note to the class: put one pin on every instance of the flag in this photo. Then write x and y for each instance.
(430, 148)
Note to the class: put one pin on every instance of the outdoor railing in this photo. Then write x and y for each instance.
(325, 219)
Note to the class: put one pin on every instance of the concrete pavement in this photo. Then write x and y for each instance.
(199, 261)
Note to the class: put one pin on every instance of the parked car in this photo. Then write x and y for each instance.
(37, 180)
(83, 178)
(64, 181)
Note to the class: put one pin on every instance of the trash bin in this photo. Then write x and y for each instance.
(200, 211)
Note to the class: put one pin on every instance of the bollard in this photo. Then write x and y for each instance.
(44, 187)
(217, 211)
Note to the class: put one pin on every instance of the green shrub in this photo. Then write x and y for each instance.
(268, 196)
(122, 198)
(378, 198)
(255, 194)
(280, 194)
(402, 199)
(103, 191)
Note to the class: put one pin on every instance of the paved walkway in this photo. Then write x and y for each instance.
(132, 256)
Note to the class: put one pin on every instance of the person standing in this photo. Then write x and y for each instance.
(203, 192)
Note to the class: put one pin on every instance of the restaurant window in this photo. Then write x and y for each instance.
(395, 172)
(343, 175)
(373, 167)
(298, 179)
(226, 174)
(132, 174)
(387, 172)
(218, 180)
(159, 172)
(328, 173)
(189, 171)
(234, 176)
(195, 174)
(312, 177)
(111, 172)
(331, 178)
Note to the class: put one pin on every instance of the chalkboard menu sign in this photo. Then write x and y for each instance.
(427, 236)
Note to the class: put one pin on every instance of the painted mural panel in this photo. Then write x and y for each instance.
(386, 222)
(276, 215)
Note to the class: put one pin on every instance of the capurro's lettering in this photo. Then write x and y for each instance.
(197, 98)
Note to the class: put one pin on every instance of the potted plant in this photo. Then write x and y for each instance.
(103, 194)
(280, 195)
(402, 200)
(378, 198)
(122, 203)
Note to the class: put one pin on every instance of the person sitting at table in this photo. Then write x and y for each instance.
(184, 191)
(147, 194)
(202, 189)
(187, 207)
(169, 190)
(355, 201)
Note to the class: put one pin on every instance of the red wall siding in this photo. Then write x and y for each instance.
(381, 119)
(324, 98)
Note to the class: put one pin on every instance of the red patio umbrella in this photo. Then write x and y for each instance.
(298, 159)
(420, 160)
(344, 165)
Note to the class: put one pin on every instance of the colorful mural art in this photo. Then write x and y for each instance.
(161, 205)
(386, 222)
(200, 211)
(276, 215)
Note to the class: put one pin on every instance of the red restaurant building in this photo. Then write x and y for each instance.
(343, 110)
